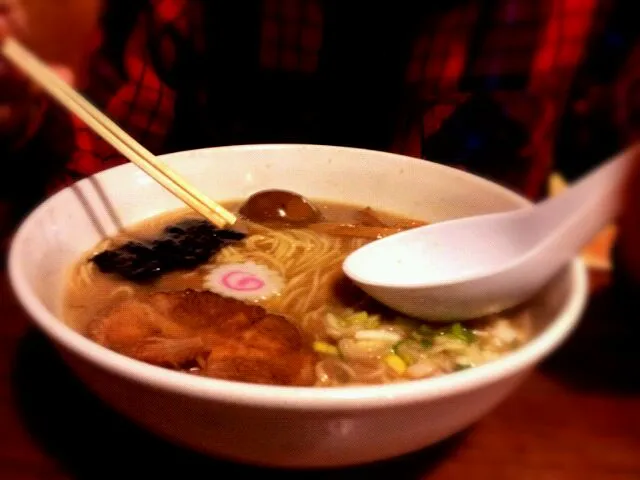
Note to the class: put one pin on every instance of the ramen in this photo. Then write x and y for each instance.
(269, 305)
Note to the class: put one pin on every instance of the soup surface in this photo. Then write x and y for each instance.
(270, 305)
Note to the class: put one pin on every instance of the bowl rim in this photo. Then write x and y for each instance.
(299, 398)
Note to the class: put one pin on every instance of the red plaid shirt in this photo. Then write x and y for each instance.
(502, 88)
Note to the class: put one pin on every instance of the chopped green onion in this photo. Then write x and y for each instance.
(462, 333)
(373, 321)
(362, 320)
(425, 330)
(357, 318)
(409, 350)
(424, 335)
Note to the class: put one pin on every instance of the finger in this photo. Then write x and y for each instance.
(15, 87)
(64, 73)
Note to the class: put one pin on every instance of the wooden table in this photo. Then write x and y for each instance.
(577, 417)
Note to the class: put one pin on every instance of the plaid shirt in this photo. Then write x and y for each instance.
(502, 88)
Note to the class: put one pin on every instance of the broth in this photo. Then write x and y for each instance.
(345, 336)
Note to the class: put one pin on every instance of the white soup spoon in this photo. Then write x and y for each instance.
(475, 266)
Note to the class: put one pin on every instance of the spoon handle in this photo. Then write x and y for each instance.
(589, 205)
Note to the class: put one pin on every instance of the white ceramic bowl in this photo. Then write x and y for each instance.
(279, 426)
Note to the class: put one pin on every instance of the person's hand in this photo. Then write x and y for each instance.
(20, 102)
(58, 32)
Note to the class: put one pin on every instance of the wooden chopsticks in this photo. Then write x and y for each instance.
(42, 75)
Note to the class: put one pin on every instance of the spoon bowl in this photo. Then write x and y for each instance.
(476, 266)
(423, 274)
